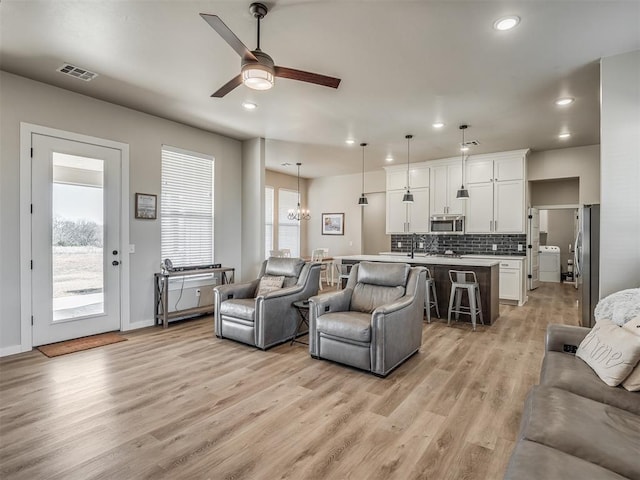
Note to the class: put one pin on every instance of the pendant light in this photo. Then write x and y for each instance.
(298, 214)
(362, 201)
(408, 196)
(462, 193)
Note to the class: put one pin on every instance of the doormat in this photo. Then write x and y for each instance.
(79, 344)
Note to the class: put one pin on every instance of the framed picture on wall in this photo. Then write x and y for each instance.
(333, 224)
(146, 206)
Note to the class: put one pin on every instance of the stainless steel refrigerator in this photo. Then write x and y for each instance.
(587, 261)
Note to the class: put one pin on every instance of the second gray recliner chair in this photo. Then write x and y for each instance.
(375, 322)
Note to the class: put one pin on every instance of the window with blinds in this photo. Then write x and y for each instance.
(288, 230)
(268, 220)
(186, 207)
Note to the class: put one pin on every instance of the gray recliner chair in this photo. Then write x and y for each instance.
(269, 319)
(375, 322)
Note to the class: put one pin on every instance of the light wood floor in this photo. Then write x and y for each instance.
(182, 404)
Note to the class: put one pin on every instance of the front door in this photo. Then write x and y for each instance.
(75, 239)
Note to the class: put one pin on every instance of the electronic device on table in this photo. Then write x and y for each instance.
(167, 266)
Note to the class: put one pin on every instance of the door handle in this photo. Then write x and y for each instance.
(115, 263)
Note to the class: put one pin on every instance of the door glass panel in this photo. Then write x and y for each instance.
(77, 236)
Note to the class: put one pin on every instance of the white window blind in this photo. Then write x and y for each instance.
(268, 220)
(288, 230)
(186, 207)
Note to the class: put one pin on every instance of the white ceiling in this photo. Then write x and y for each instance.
(403, 66)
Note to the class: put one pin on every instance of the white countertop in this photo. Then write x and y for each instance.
(422, 260)
(497, 257)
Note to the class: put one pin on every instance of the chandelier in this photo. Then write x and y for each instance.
(298, 213)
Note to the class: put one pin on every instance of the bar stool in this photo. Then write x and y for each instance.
(431, 298)
(465, 280)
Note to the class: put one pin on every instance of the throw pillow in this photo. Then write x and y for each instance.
(619, 307)
(269, 284)
(612, 352)
(632, 382)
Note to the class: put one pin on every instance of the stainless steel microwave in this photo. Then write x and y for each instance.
(447, 224)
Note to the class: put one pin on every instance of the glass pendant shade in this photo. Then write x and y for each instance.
(407, 197)
(462, 193)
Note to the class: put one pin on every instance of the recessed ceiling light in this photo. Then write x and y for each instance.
(350, 141)
(564, 135)
(438, 125)
(464, 149)
(506, 23)
(389, 158)
(249, 105)
(565, 101)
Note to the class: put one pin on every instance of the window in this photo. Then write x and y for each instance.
(186, 207)
(288, 230)
(268, 220)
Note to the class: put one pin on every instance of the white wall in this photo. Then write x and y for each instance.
(620, 173)
(581, 162)
(25, 100)
(340, 194)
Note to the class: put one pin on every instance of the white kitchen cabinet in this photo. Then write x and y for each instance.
(511, 278)
(444, 183)
(397, 178)
(496, 187)
(408, 217)
(479, 217)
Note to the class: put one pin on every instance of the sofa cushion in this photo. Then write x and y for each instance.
(244, 308)
(632, 382)
(366, 297)
(611, 351)
(269, 284)
(349, 325)
(533, 461)
(383, 274)
(592, 431)
(288, 267)
(565, 371)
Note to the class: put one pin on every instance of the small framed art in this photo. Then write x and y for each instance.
(333, 224)
(146, 206)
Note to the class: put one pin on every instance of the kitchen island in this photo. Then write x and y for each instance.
(487, 271)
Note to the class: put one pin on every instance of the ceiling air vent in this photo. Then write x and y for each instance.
(77, 72)
(471, 143)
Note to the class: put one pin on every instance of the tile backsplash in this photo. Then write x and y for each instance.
(462, 244)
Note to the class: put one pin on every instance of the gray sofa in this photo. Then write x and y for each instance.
(573, 424)
(375, 322)
(270, 319)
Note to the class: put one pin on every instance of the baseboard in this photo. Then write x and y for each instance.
(140, 324)
(12, 350)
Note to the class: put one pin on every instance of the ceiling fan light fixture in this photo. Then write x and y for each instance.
(257, 77)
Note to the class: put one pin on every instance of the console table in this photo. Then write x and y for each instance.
(162, 315)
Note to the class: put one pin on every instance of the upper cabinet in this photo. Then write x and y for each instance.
(496, 184)
(445, 182)
(407, 217)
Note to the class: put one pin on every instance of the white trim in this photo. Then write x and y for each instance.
(555, 207)
(12, 350)
(139, 324)
(26, 132)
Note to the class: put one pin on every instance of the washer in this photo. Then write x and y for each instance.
(549, 263)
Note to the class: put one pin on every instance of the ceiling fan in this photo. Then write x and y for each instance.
(257, 70)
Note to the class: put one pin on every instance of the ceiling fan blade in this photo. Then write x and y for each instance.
(228, 36)
(227, 87)
(293, 74)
